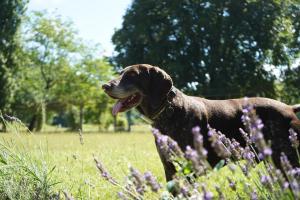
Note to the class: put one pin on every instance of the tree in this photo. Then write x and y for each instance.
(29, 90)
(291, 78)
(81, 85)
(217, 48)
(50, 42)
(291, 92)
(11, 12)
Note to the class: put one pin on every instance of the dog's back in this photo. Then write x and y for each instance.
(277, 117)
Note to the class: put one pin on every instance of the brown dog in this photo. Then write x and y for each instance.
(151, 90)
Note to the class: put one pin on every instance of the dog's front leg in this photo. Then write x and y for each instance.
(168, 166)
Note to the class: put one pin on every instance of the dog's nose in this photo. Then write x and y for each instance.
(106, 86)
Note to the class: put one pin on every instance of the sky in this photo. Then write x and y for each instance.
(95, 20)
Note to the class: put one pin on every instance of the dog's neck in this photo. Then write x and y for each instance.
(166, 102)
(153, 114)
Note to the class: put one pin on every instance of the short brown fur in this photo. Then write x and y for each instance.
(180, 113)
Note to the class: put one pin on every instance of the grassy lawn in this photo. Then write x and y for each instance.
(75, 168)
(76, 173)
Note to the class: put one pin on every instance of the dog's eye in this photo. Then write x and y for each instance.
(128, 77)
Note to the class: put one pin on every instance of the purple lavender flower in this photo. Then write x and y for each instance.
(152, 182)
(104, 173)
(245, 169)
(155, 131)
(235, 149)
(196, 130)
(254, 126)
(264, 179)
(285, 163)
(248, 155)
(207, 195)
(280, 179)
(295, 188)
(198, 143)
(286, 185)
(295, 172)
(192, 155)
(184, 191)
(232, 184)
(232, 168)
(162, 143)
(198, 138)
(122, 196)
(211, 131)
(267, 151)
(245, 136)
(138, 180)
(253, 195)
(217, 144)
(168, 147)
(293, 138)
(174, 148)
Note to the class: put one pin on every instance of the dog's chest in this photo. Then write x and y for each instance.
(178, 125)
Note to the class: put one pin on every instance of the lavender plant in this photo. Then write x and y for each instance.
(250, 174)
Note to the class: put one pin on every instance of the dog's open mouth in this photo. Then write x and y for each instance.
(127, 103)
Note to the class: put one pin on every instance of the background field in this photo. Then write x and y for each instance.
(75, 168)
(76, 173)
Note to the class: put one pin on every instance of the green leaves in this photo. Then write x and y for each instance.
(216, 48)
(59, 72)
(219, 165)
(11, 12)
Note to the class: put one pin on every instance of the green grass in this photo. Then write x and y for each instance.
(75, 168)
(76, 173)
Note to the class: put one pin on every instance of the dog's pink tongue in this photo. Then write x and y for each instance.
(117, 107)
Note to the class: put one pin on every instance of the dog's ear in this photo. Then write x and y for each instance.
(160, 84)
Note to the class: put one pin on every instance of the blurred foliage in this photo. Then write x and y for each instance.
(216, 48)
(59, 76)
(219, 49)
(11, 12)
(49, 42)
(291, 91)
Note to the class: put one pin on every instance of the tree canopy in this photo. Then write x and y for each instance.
(11, 12)
(215, 48)
(59, 76)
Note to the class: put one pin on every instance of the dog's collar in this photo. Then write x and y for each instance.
(163, 106)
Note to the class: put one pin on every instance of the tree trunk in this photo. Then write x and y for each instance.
(129, 121)
(32, 123)
(81, 116)
(41, 117)
(3, 126)
(115, 123)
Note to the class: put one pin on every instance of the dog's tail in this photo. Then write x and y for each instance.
(296, 108)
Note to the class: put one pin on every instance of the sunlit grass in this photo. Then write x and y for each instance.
(75, 168)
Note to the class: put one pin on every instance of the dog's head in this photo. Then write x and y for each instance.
(140, 85)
